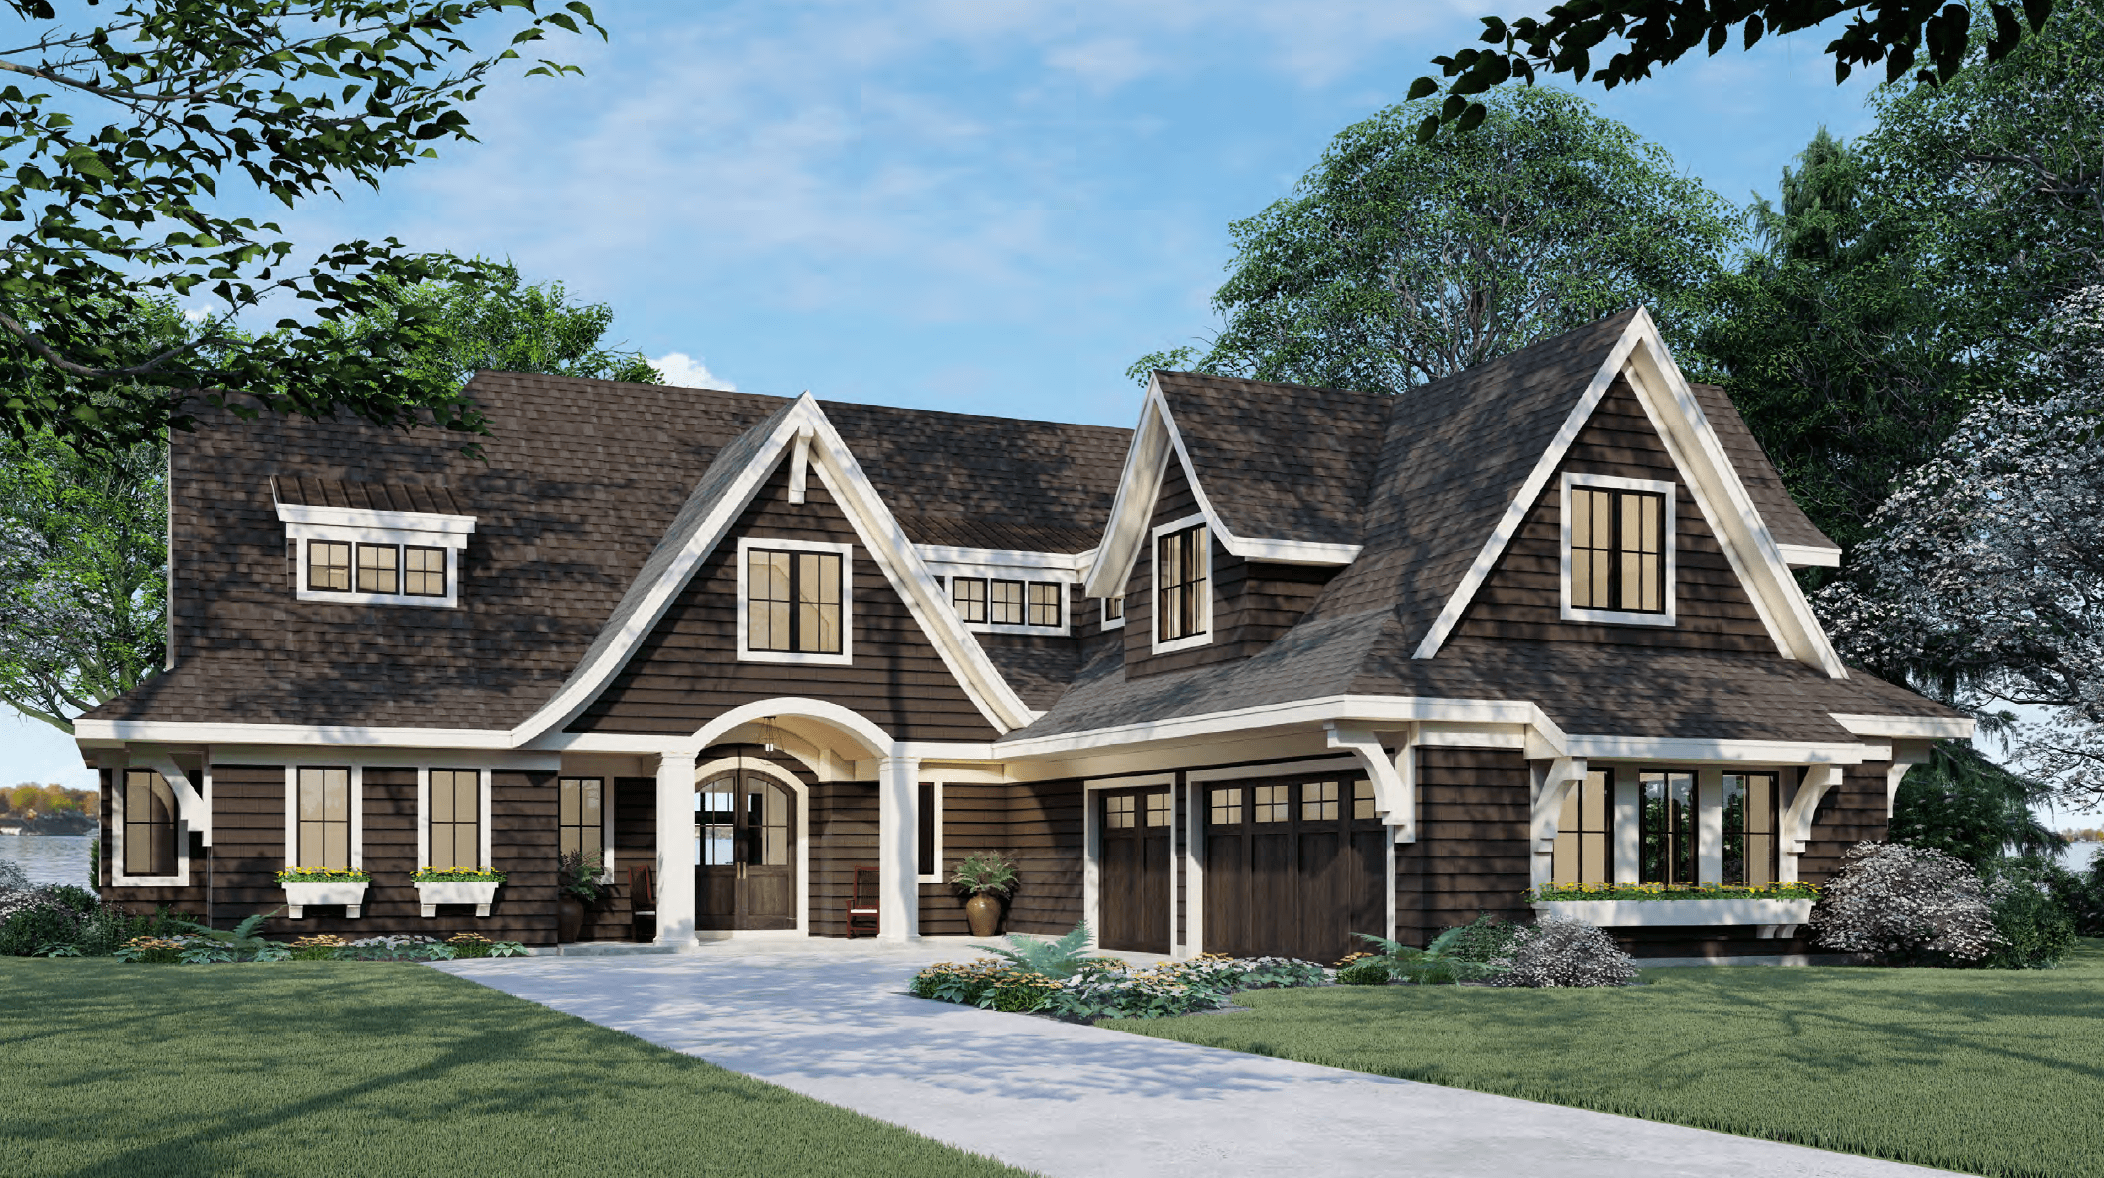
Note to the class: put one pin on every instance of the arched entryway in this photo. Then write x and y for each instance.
(745, 850)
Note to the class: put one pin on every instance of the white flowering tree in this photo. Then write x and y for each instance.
(1984, 581)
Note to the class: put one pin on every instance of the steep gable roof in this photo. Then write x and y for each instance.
(1785, 519)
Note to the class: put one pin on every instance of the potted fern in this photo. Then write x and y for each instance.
(577, 884)
(985, 877)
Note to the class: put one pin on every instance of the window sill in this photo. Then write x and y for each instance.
(808, 658)
(1189, 643)
(1667, 913)
(350, 894)
(480, 893)
(1615, 617)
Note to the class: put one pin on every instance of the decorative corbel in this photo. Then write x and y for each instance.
(800, 465)
(1558, 778)
(190, 804)
(1394, 778)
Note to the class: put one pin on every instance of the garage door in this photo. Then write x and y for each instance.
(1293, 867)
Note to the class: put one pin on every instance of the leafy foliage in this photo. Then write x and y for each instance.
(83, 580)
(985, 871)
(1053, 959)
(1395, 263)
(1559, 953)
(577, 873)
(2031, 923)
(1110, 988)
(1985, 585)
(118, 137)
(1447, 960)
(1553, 892)
(1653, 33)
(1970, 808)
(68, 921)
(1907, 905)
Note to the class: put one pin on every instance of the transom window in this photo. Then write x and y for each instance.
(149, 824)
(1182, 596)
(1584, 851)
(1619, 549)
(1667, 850)
(1362, 799)
(1158, 809)
(1272, 803)
(1318, 801)
(324, 818)
(456, 818)
(581, 815)
(1226, 807)
(1120, 810)
(793, 601)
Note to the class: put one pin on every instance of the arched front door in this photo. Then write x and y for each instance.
(744, 852)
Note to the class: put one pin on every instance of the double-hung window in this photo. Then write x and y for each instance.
(1182, 580)
(323, 836)
(794, 602)
(456, 818)
(1618, 550)
(1750, 825)
(1667, 846)
(581, 805)
(149, 824)
(1584, 851)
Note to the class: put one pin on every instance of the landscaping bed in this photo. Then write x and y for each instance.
(1983, 1071)
(343, 1068)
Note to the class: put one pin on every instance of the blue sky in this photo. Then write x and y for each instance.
(972, 205)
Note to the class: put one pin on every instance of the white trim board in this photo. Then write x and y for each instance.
(1712, 481)
(1908, 727)
(843, 657)
(1358, 710)
(1204, 635)
(1669, 544)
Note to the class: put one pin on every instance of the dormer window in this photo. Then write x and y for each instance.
(1183, 597)
(794, 604)
(999, 605)
(1114, 611)
(368, 555)
(1617, 550)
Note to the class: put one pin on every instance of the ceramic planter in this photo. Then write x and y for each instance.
(477, 892)
(349, 893)
(1640, 913)
(569, 919)
(983, 913)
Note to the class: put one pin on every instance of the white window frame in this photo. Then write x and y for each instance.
(346, 525)
(1671, 544)
(847, 603)
(1104, 620)
(1069, 592)
(1154, 585)
(357, 787)
(118, 877)
(423, 813)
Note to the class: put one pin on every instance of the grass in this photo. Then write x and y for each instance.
(354, 1068)
(1988, 1072)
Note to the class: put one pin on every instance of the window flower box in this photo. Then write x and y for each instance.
(457, 885)
(1638, 905)
(323, 885)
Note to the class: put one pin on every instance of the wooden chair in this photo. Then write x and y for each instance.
(642, 901)
(861, 905)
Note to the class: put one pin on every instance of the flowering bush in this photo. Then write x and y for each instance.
(457, 875)
(1109, 988)
(319, 947)
(153, 950)
(1908, 905)
(1553, 892)
(1555, 953)
(288, 875)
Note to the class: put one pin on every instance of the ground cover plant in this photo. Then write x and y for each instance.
(1983, 1071)
(1062, 980)
(352, 1069)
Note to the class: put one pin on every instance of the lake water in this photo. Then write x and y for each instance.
(2078, 856)
(50, 858)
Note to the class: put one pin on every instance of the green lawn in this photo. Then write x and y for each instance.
(1988, 1072)
(368, 1068)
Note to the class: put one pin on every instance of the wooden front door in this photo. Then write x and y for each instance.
(744, 853)
(1293, 868)
(1134, 881)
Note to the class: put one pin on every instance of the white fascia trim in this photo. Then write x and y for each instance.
(1799, 556)
(1690, 751)
(874, 524)
(1616, 617)
(89, 733)
(350, 517)
(1357, 710)
(1712, 481)
(1139, 485)
(1908, 727)
(1154, 582)
(843, 657)
(1006, 558)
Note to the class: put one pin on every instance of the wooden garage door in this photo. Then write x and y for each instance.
(1134, 881)
(1293, 867)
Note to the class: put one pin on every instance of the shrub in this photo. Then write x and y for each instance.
(320, 947)
(151, 950)
(1439, 963)
(1558, 953)
(1370, 972)
(37, 928)
(1907, 905)
(2033, 926)
(1486, 940)
(1052, 959)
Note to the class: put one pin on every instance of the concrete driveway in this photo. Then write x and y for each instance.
(833, 1022)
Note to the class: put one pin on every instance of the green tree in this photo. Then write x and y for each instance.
(1967, 806)
(83, 561)
(484, 315)
(118, 137)
(1845, 364)
(1395, 263)
(1655, 33)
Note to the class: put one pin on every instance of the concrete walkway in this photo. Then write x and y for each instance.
(834, 1022)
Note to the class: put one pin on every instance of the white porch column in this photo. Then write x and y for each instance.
(898, 874)
(675, 849)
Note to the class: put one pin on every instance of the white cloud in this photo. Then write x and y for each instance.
(688, 372)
